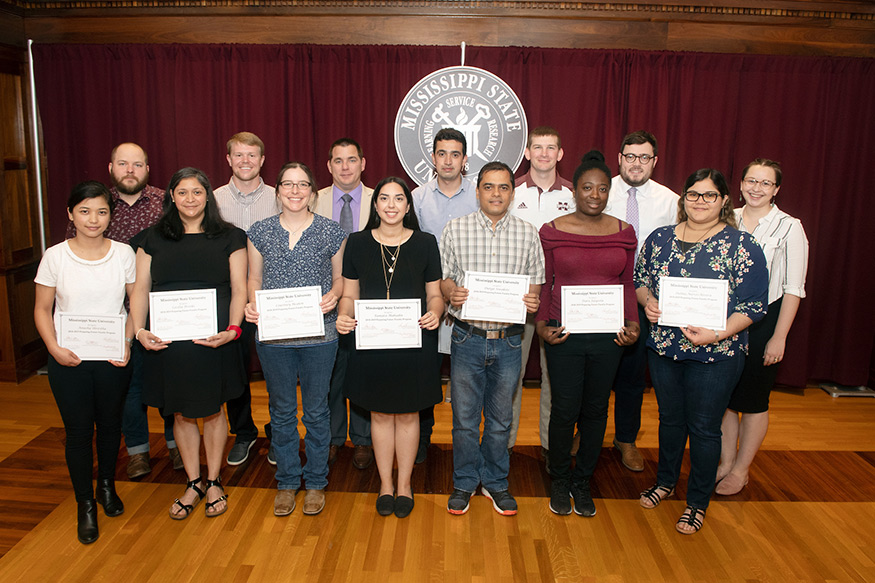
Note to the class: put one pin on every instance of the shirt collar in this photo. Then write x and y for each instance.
(486, 222)
(557, 184)
(355, 193)
(240, 197)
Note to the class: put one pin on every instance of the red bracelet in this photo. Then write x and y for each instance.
(236, 329)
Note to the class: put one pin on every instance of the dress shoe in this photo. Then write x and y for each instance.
(86, 529)
(333, 450)
(630, 456)
(314, 502)
(284, 503)
(175, 458)
(106, 497)
(138, 465)
(363, 456)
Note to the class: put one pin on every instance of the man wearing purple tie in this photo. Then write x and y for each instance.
(646, 205)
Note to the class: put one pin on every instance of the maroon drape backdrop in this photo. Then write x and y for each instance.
(815, 115)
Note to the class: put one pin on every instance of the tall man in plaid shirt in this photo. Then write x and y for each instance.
(486, 356)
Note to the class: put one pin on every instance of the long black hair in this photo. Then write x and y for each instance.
(410, 221)
(170, 225)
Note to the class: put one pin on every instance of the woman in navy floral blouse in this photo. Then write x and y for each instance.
(296, 249)
(694, 369)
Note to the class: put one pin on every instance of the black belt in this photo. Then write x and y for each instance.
(513, 330)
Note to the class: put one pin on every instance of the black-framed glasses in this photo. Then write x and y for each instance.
(752, 182)
(709, 197)
(644, 158)
(289, 185)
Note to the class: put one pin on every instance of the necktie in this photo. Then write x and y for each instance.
(346, 214)
(632, 209)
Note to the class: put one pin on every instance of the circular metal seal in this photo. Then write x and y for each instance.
(475, 102)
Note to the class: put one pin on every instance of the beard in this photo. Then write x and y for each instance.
(123, 188)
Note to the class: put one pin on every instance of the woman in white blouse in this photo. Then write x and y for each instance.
(786, 248)
(88, 275)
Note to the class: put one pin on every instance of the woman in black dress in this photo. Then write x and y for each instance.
(190, 248)
(392, 259)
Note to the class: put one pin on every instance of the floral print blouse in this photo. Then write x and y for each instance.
(730, 254)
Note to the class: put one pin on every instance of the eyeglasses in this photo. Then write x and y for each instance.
(693, 196)
(645, 158)
(289, 185)
(752, 182)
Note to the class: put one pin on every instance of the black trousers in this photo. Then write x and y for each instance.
(88, 395)
(240, 409)
(582, 370)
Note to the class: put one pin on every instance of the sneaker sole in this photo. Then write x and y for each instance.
(494, 505)
(554, 511)
(246, 457)
(458, 512)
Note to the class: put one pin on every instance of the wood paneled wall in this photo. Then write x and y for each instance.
(830, 27)
(21, 350)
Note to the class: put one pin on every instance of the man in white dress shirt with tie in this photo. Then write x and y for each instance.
(646, 205)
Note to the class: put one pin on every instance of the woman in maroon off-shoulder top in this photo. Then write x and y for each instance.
(583, 248)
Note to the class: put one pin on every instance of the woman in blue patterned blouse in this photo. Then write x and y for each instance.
(294, 249)
(694, 369)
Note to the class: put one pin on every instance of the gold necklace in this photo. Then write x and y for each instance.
(389, 265)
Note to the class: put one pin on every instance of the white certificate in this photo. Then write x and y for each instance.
(289, 313)
(592, 308)
(183, 315)
(93, 337)
(387, 324)
(495, 297)
(693, 301)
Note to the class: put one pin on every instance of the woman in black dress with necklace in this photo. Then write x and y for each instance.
(392, 259)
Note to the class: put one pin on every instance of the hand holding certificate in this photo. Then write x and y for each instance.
(183, 315)
(387, 324)
(693, 301)
(592, 308)
(289, 313)
(495, 297)
(93, 337)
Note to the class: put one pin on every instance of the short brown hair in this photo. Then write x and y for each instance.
(247, 139)
(543, 131)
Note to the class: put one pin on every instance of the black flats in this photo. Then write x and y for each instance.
(385, 504)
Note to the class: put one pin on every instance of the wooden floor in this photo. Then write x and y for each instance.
(808, 513)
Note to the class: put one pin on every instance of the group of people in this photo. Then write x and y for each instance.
(391, 243)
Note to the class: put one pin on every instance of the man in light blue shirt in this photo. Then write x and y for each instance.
(447, 196)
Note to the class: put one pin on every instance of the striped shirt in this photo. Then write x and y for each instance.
(786, 249)
(469, 244)
(244, 210)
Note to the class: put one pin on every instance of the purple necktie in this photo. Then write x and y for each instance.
(632, 209)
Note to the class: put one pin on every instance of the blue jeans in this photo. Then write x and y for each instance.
(282, 367)
(629, 385)
(692, 398)
(484, 374)
(135, 419)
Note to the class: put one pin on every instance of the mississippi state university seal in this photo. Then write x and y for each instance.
(475, 102)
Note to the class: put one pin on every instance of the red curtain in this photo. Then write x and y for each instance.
(182, 102)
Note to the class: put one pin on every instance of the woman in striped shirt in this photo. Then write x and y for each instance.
(786, 249)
